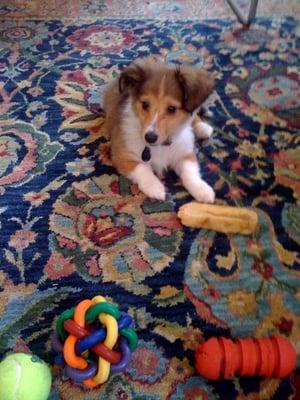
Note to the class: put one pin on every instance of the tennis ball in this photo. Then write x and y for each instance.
(24, 377)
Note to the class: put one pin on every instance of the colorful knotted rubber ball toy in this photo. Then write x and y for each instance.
(93, 340)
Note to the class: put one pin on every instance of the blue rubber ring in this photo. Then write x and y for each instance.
(97, 337)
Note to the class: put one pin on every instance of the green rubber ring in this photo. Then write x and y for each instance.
(102, 308)
(68, 314)
(131, 336)
(91, 314)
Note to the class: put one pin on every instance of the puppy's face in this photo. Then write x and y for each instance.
(163, 98)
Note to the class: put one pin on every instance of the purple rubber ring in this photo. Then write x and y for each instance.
(59, 360)
(56, 343)
(79, 375)
(126, 355)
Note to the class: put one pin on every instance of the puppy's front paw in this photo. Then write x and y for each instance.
(204, 193)
(154, 189)
(203, 130)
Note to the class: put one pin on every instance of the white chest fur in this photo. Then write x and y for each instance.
(163, 157)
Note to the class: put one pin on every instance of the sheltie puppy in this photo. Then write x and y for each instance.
(151, 116)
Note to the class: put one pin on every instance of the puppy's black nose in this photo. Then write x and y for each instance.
(151, 137)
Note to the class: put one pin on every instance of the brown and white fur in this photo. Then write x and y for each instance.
(151, 101)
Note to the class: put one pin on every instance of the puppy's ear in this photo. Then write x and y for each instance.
(196, 85)
(131, 78)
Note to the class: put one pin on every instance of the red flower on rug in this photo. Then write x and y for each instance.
(58, 266)
(285, 326)
(102, 38)
(287, 170)
(22, 238)
(103, 231)
(263, 268)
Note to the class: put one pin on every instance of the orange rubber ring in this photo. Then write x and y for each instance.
(70, 356)
(90, 383)
(80, 310)
(69, 346)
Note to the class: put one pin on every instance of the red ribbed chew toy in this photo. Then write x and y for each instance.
(272, 356)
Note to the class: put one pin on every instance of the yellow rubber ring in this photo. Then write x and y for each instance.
(111, 339)
(98, 299)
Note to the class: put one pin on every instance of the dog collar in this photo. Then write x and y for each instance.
(146, 154)
(167, 142)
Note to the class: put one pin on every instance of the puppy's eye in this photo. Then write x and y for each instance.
(171, 109)
(145, 105)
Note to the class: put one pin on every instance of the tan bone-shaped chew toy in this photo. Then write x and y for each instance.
(219, 218)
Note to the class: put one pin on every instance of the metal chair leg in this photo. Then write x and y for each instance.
(251, 15)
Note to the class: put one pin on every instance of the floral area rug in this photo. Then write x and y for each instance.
(72, 228)
(163, 9)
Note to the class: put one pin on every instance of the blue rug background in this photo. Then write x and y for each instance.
(59, 194)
